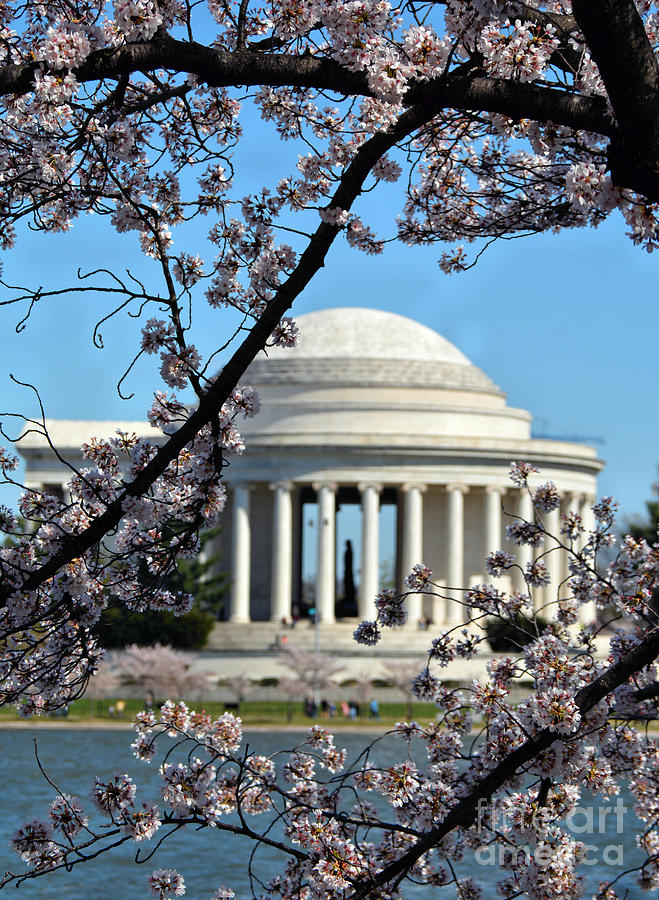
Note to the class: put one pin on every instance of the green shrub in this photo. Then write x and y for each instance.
(118, 627)
(507, 636)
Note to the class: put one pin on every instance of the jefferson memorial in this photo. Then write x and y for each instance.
(379, 413)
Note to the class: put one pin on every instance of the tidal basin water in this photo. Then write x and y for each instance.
(208, 858)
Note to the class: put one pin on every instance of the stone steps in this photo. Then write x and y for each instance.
(267, 637)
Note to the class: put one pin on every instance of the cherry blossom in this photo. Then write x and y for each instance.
(66, 815)
(419, 577)
(166, 884)
(367, 633)
(546, 497)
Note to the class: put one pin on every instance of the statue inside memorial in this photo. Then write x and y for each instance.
(347, 606)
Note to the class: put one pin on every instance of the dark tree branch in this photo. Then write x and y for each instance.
(311, 260)
(464, 813)
(647, 693)
(222, 68)
(517, 100)
(242, 25)
(618, 43)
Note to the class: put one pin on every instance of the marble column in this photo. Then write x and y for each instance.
(412, 552)
(240, 555)
(370, 564)
(553, 560)
(523, 552)
(282, 552)
(326, 563)
(455, 545)
(493, 499)
(588, 611)
(572, 506)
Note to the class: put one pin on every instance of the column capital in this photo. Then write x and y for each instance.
(461, 488)
(495, 489)
(281, 485)
(413, 485)
(330, 485)
(363, 486)
(237, 485)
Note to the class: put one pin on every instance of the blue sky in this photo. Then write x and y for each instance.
(566, 324)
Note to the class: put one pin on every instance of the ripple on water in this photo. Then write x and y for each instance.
(206, 859)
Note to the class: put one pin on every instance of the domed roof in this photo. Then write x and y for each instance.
(356, 333)
(359, 346)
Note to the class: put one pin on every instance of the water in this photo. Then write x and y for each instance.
(208, 858)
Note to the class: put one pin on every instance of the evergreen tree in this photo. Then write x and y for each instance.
(648, 528)
(201, 577)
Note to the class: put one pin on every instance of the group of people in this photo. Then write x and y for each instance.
(116, 710)
(349, 709)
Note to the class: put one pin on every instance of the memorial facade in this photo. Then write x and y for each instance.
(373, 409)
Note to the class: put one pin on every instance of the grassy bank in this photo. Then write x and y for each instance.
(252, 712)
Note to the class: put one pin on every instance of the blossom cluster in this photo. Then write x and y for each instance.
(48, 667)
(336, 838)
(603, 747)
(476, 176)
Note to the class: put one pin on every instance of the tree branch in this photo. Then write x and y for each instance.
(618, 43)
(647, 693)
(222, 68)
(464, 813)
(311, 260)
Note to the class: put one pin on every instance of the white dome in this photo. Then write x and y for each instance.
(354, 346)
(357, 333)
